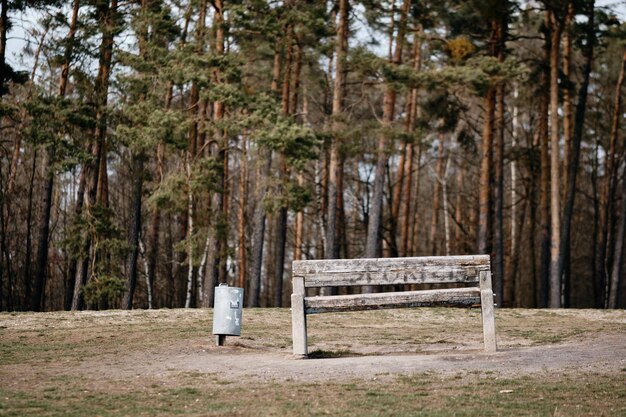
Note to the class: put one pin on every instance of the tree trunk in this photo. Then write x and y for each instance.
(341, 49)
(389, 103)
(4, 27)
(567, 93)
(606, 199)
(498, 226)
(439, 171)
(555, 200)
(484, 196)
(544, 187)
(241, 214)
(259, 216)
(258, 232)
(134, 231)
(190, 231)
(618, 258)
(95, 185)
(510, 290)
(579, 121)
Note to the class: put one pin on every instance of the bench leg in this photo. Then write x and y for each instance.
(298, 326)
(489, 321)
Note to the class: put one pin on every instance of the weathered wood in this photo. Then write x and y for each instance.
(375, 264)
(429, 275)
(488, 313)
(391, 271)
(450, 297)
(388, 271)
(298, 325)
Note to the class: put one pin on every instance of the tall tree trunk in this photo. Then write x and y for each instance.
(389, 103)
(258, 232)
(283, 174)
(484, 196)
(618, 258)
(573, 164)
(221, 154)
(29, 245)
(241, 214)
(512, 272)
(259, 216)
(606, 202)
(46, 195)
(439, 172)
(95, 190)
(544, 187)
(407, 193)
(134, 231)
(4, 27)
(567, 92)
(498, 226)
(190, 231)
(555, 200)
(341, 50)
(137, 158)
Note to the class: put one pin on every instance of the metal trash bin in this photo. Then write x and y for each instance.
(227, 312)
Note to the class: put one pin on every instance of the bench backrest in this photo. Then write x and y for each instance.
(391, 271)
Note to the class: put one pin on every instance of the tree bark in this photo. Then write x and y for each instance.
(484, 196)
(341, 49)
(544, 187)
(439, 172)
(618, 258)
(573, 164)
(567, 92)
(48, 187)
(606, 200)
(389, 103)
(134, 231)
(4, 27)
(241, 214)
(95, 186)
(555, 192)
(498, 226)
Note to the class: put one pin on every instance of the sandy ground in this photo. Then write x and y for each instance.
(125, 345)
(602, 353)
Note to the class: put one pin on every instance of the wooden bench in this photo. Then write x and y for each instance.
(473, 271)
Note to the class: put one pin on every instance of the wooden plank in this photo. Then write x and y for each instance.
(298, 326)
(391, 271)
(375, 264)
(488, 313)
(426, 298)
(298, 285)
(429, 275)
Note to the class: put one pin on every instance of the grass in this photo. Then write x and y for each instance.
(66, 364)
(421, 394)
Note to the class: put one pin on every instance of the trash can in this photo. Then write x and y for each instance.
(227, 312)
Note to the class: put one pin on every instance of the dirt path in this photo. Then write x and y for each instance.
(123, 346)
(604, 353)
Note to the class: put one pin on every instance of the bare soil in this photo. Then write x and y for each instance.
(343, 346)
(142, 351)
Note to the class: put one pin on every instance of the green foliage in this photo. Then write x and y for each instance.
(145, 124)
(62, 126)
(287, 194)
(295, 141)
(103, 290)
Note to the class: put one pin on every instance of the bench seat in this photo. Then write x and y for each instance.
(472, 272)
(449, 297)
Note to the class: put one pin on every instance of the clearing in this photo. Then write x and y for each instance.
(378, 363)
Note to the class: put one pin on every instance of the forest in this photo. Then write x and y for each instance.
(153, 149)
